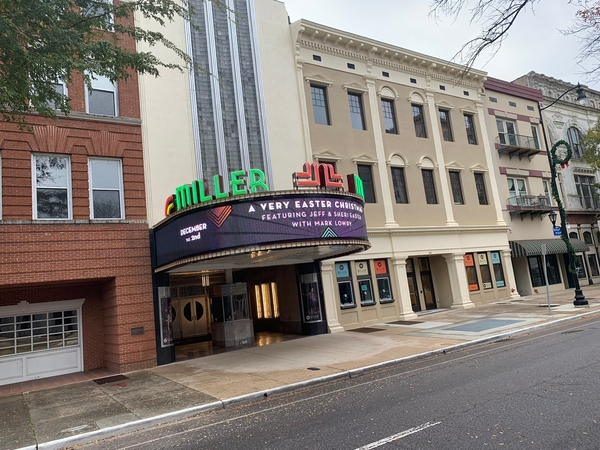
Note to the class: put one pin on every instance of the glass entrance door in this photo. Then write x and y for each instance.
(412, 285)
(427, 284)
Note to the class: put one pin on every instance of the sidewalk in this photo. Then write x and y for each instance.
(87, 410)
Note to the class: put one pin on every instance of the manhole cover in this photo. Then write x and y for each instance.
(366, 330)
(112, 379)
(405, 322)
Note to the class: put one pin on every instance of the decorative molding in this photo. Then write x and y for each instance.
(417, 98)
(51, 139)
(468, 110)
(388, 92)
(444, 105)
(326, 155)
(105, 143)
(427, 163)
(319, 79)
(364, 158)
(478, 168)
(355, 87)
(396, 160)
(453, 165)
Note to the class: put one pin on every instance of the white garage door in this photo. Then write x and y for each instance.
(39, 340)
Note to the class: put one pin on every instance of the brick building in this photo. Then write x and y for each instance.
(75, 281)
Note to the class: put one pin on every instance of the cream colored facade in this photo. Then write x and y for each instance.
(424, 245)
(172, 150)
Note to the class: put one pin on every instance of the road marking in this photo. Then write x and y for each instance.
(395, 437)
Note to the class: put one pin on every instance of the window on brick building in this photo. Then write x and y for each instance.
(106, 188)
(102, 98)
(52, 187)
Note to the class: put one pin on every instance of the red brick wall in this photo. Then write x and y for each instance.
(107, 263)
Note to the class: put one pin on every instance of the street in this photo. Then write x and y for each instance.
(537, 391)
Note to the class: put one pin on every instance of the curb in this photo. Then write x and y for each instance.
(249, 398)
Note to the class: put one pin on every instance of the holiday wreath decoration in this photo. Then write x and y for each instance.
(564, 162)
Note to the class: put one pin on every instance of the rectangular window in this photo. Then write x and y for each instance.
(429, 186)
(365, 286)
(96, 9)
(319, 102)
(102, 98)
(536, 270)
(593, 265)
(586, 190)
(457, 194)
(579, 267)
(536, 139)
(383, 281)
(365, 173)
(480, 186)
(389, 116)
(506, 132)
(61, 88)
(344, 281)
(470, 127)
(52, 187)
(419, 119)
(356, 111)
(484, 268)
(399, 182)
(517, 190)
(471, 272)
(498, 271)
(106, 187)
(445, 124)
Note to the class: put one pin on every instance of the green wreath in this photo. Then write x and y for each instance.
(564, 161)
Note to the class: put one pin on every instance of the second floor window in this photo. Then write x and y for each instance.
(586, 190)
(389, 116)
(507, 134)
(457, 194)
(446, 126)
(106, 187)
(319, 102)
(419, 119)
(399, 182)
(470, 127)
(480, 186)
(429, 185)
(517, 190)
(52, 187)
(356, 111)
(366, 175)
(536, 139)
(575, 140)
(102, 98)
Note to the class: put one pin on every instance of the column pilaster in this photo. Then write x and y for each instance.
(406, 311)
(458, 281)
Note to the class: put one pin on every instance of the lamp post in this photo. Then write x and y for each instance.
(579, 297)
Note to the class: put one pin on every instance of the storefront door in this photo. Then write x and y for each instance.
(427, 284)
(412, 286)
(190, 317)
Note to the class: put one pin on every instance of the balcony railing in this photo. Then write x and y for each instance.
(528, 204)
(516, 144)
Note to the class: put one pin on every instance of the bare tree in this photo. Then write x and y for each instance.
(498, 16)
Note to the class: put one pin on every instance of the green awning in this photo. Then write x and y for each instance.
(553, 246)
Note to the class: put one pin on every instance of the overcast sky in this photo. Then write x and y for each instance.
(534, 43)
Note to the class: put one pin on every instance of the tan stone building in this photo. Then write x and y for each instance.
(416, 133)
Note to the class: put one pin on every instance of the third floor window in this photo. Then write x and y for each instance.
(575, 140)
(319, 102)
(419, 119)
(446, 126)
(389, 116)
(470, 127)
(357, 116)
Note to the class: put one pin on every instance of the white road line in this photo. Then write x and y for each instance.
(395, 437)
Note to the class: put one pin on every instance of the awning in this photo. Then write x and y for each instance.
(553, 246)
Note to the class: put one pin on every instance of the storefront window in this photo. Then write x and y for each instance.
(471, 272)
(579, 267)
(383, 281)
(593, 265)
(537, 272)
(344, 280)
(363, 274)
(498, 272)
(486, 274)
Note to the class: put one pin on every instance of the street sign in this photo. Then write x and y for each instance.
(557, 231)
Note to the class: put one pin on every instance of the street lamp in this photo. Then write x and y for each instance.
(579, 297)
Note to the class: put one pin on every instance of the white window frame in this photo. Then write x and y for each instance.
(103, 84)
(35, 187)
(121, 190)
(518, 198)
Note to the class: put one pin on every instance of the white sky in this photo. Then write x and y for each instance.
(534, 43)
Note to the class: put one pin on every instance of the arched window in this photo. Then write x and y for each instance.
(575, 140)
(587, 238)
(573, 235)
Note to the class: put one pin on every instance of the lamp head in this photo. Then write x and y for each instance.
(552, 216)
(580, 95)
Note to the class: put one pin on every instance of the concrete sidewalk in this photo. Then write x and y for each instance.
(80, 412)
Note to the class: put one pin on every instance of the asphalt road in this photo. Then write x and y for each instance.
(540, 391)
